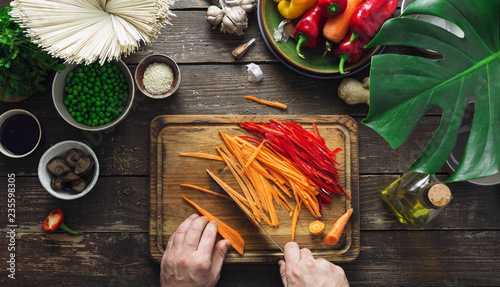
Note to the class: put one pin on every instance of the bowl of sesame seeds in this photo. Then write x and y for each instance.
(158, 76)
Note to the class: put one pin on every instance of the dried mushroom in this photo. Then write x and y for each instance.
(57, 166)
(73, 156)
(69, 176)
(84, 164)
(71, 173)
(57, 183)
(79, 185)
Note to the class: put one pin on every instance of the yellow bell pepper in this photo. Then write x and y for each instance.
(292, 9)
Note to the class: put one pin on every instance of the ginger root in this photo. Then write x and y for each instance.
(354, 92)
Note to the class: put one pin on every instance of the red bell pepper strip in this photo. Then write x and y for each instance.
(332, 8)
(307, 149)
(350, 50)
(309, 29)
(371, 15)
(55, 220)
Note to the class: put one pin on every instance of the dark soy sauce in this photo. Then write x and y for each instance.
(19, 134)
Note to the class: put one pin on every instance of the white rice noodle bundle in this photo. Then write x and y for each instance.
(89, 30)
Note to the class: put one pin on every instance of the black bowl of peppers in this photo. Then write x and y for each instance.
(326, 37)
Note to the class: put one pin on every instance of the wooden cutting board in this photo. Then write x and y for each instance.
(173, 134)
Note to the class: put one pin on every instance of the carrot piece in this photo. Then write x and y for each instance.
(316, 227)
(255, 153)
(334, 234)
(295, 217)
(205, 190)
(272, 104)
(337, 27)
(227, 232)
(201, 155)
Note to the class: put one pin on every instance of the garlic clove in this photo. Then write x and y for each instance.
(235, 21)
(255, 74)
(214, 15)
(241, 49)
(248, 5)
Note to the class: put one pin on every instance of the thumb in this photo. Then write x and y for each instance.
(282, 265)
(219, 254)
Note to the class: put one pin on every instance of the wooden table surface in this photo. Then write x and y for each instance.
(460, 247)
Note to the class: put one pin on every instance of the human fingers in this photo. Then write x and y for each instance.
(178, 236)
(305, 254)
(168, 248)
(292, 252)
(219, 253)
(282, 265)
(194, 233)
(207, 241)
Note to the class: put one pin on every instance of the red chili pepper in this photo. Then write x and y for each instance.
(55, 220)
(332, 8)
(308, 30)
(371, 15)
(350, 50)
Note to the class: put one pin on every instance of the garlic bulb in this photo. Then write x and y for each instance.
(214, 15)
(235, 21)
(247, 5)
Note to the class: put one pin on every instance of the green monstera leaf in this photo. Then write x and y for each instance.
(404, 88)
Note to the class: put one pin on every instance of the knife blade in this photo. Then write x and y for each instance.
(248, 214)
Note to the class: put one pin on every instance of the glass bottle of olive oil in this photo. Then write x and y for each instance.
(416, 198)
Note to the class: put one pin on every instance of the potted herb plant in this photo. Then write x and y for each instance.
(24, 67)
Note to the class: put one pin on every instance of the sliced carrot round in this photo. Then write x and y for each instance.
(316, 227)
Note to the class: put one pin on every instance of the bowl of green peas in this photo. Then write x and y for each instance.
(94, 97)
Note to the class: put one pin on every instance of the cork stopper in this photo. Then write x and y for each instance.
(439, 195)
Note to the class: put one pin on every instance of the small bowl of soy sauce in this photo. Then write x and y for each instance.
(20, 133)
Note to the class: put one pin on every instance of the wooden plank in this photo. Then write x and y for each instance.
(473, 207)
(396, 258)
(125, 149)
(173, 134)
(220, 89)
(116, 204)
(120, 204)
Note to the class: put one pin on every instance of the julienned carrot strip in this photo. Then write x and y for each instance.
(242, 201)
(273, 104)
(205, 190)
(201, 155)
(337, 27)
(334, 234)
(229, 189)
(244, 186)
(282, 198)
(244, 182)
(255, 153)
(295, 218)
(227, 232)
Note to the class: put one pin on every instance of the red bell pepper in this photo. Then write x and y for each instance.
(305, 148)
(55, 220)
(308, 30)
(371, 15)
(350, 50)
(332, 8)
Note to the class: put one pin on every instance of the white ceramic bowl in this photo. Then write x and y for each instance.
(60, 149)
(14, 112)
(58, 95)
